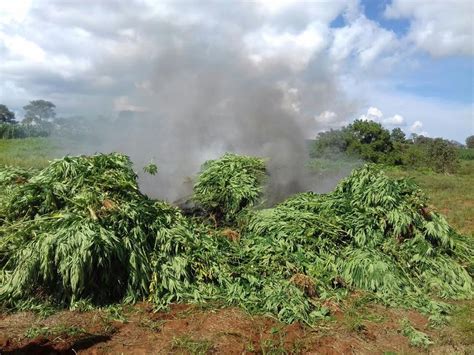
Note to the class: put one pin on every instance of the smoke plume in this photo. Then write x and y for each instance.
(204, 92)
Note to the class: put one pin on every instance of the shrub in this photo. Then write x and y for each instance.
(442, 156)
(470, 142)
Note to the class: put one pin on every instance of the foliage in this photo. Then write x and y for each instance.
(330, 143)
(415, 337)
(398, 135)
(151, 169)
(227, 185)
(371, 233)
(452, 194)
(11, 131)
(371, 142)
(38, 111)
(78, 229)
(470, 142)
(6, 116)
(81, 230)
(443, 156)
(466, 153)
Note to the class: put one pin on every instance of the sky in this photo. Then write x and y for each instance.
(403, 63)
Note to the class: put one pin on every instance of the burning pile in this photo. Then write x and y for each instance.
(80, 229)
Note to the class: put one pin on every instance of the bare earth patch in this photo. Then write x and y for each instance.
(186, 329)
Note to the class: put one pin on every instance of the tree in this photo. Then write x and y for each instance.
(442, 155)
(39, 111)
(6, 116)
(330, 143)
(398, 135)
(470, 142)
(369, 140)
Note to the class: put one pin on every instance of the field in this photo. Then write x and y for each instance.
(27, 153)
(451, 194)
(357, 324)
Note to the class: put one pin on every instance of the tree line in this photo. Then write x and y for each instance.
(37, 122)
(370, 141)
(367, 140)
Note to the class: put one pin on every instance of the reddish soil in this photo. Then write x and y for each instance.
(184, 329)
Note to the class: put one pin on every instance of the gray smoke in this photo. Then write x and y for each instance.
(203, 96)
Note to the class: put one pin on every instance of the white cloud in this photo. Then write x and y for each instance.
(439, 27)
(373, 114)
(13, 11)
(416, 127)
(103, 56)
(328, 120)
(395, 120)
(376, 115)
(326, 117)
(22, 48)
(363, 40)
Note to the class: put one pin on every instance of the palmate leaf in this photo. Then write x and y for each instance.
(81, 230)
(228, 185)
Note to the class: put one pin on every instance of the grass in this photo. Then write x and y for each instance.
(463, 323)
(357, 314)
(115, 312)
(191, 346)
(460, 330)
(27, 152)
(452, 195)
(71, 331)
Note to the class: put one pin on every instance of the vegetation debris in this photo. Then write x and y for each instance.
(80, 229)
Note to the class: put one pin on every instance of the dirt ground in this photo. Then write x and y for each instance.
(186, 329)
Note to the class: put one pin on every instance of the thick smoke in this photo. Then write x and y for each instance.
(204, 95)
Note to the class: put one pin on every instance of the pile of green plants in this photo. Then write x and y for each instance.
(78, 229)
(371, 233)
(81, 229)
(230, 184)
(376, 234)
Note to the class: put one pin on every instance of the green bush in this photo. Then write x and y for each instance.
(470, 142)
(442, 156)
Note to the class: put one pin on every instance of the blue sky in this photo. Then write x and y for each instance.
(449, 78)
(405, 63)
(374, 10)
